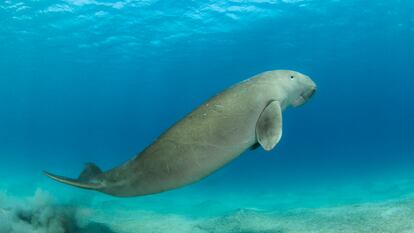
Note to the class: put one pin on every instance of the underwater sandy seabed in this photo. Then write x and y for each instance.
(386, 206)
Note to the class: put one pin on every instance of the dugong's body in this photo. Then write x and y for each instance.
(208, 138)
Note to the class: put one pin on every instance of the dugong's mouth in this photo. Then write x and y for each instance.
(305, 96)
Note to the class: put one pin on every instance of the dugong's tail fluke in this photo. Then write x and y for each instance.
(88, 179)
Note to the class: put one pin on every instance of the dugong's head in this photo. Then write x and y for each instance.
(297, 88)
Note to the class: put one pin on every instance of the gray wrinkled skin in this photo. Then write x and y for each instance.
(202, 142)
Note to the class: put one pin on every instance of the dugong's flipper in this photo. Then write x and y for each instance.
(269, 126)
(88, 179)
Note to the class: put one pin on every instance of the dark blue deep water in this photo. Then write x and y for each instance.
(99, 80)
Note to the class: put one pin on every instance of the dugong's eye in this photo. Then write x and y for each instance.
(292, 77)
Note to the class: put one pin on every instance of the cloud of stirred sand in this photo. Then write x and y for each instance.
(40, 214)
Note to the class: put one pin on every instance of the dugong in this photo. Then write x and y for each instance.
(246, 115)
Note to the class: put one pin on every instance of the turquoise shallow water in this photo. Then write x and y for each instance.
(98, 80)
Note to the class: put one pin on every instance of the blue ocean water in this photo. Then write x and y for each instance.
(99, 80)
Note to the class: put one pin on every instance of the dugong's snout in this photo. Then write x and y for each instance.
(307, 90)
(309, 93)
